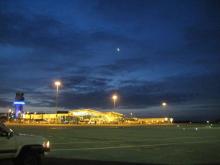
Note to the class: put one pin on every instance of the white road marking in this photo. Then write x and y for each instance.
(148, 139)
(132, 146)
(77, 142)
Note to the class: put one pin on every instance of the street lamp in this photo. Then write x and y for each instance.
(57, 84)
(9, 113)
(114, 98)
(164, 104)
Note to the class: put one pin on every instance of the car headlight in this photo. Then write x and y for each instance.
(46, 145)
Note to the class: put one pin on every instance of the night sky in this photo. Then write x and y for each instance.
(145, 51)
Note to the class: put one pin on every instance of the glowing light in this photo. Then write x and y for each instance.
(114, 97)
(118, 49)
(171, 120)
(57, 83)
(19, 102)
(164, 104)
(166, 119)
(81, 113)
(46, 144)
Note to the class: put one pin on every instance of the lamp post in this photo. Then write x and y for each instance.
(9, 113)
(164, 105)
(114, 98)
(57, 84)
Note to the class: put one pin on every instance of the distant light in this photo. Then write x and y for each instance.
(118, 49)
(57, 83)
(81, 113)
(114, 97)
(171, 120)
(164, 104)
(166, 119)
(48, 144)
(207, 122)
(196, 129)
(19, 102)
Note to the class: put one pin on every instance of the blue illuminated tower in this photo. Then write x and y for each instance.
(19, 104)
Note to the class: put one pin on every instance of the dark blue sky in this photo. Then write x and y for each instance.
(169, 51)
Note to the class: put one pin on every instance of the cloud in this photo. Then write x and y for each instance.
(4, 103)
(92, 91)
(140, 94)
(37, 31)
(123, 65)
(123, 10)
(85, 84)
(203, 35)
(203, 39)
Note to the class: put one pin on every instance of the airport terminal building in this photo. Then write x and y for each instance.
(76, 116)
(89, 116)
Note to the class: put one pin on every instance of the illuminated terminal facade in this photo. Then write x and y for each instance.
(89, 116)
(76, 116)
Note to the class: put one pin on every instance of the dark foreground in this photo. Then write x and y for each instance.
(58, 161)
(178, 144)
(66, 161)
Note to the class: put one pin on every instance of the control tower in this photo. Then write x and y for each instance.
(19, 104)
